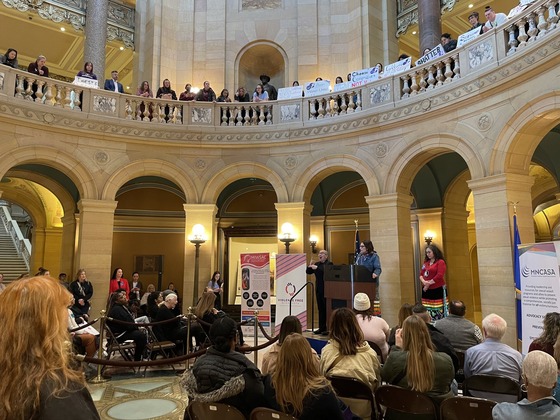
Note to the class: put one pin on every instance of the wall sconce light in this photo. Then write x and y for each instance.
(429, 237)
(313, 242)
(287, 236)
(197, 237)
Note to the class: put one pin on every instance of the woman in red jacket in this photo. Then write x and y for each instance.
(434, 296)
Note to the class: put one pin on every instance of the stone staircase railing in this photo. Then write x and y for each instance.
(23, 246)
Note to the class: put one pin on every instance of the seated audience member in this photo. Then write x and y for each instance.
(549, 335)
(38, 382)
(87, 72)
(170, 331)
(62, 280)
(10, 58)
(187, 95)
(119, 311)
(461, 332)
(224, 375)
(449, 44)
(539, 381)
(38, 67)
(290, 324)
(144, 90)
(415, 364)
(556, 392)
(224, 96)
(82, 290)
(206, 94)
(87, 340)
(260, 95)
(375, 329)
(491, 357)
(165, 91)
(404, 312)
(298, 388)
(441, 342)
(42, 271)
(242, 96)
(113, 84)
(347, 353)
(152, 307)
(473, 20)
(144, 299)
(493, 19)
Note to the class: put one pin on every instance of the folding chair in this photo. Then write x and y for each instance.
(466, 408)
(213, 411)
(495, 388)
(262, 413)
(377, 350)
(405, 404)
(155, 347)
(126, 349)
(356, 395)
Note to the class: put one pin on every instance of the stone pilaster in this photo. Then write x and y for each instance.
(298, 215)
(96, 36)
(494, 237)
(95, 245)
(429, 23)
(67, 245)
(390, 231)
(204, 214)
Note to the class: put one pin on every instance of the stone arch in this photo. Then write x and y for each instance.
(516, 143)
(312, 175)
(418, 153)
(148, 167)
(31, 204)
(272, 60)
(243, 170)
(56, 158)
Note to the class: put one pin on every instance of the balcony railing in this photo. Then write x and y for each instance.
(447, 74)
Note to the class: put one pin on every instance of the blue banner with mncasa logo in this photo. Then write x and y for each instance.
(540, 287)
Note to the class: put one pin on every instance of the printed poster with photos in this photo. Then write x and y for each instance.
(255, 290)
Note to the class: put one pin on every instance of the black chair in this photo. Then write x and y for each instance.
(377, 350)
(460, 374)
(261, 413)
(466, 408)
(212, 411)
(495, 388)
(404, 404)
(349, 390)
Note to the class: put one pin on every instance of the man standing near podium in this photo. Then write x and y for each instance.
(319, 270)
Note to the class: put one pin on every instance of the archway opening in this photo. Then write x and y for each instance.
(261, 59)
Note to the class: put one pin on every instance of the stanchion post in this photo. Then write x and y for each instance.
(100, 379)
(256, 341)
(189, 342)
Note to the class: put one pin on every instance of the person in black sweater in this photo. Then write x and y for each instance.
(318, 269)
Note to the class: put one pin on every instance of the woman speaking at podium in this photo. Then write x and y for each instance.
(369, 259)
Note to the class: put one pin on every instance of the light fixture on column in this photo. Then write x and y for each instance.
(429, 237)
(313, 242)
(287, 236)
(197, 237)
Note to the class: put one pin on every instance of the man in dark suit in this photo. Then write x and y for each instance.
(318, 269)
(112, 84)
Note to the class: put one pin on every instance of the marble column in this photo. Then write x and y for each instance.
(298, 215)
(67, 245)
(204, 214)
(494, 236)
(429, 23)
(96, 36)
(391, 233)
(95, 245)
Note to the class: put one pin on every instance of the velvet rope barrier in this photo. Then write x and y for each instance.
(144, 324)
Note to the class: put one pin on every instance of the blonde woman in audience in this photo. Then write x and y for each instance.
(375, 328)
(35, 355)
(290, 325)
(539, 381)
(297, 388)
(414, 363)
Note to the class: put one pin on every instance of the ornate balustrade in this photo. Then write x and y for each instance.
(501, 53)
(23, 246)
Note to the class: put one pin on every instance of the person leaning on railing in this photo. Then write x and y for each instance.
(38, 67)
(10, 58)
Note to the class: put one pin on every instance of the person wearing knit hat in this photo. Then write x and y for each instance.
(375, 329)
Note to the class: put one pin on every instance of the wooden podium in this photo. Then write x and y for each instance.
(338, 286)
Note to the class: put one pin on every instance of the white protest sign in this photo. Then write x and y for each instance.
(317, 88)
(85, 82)
(347, 85)
(365, 75)
(431, 55)
(467, 37)
(293, 92)
(394, 68)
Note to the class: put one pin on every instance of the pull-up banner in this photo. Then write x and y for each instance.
(255, 290)
(290, 277)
